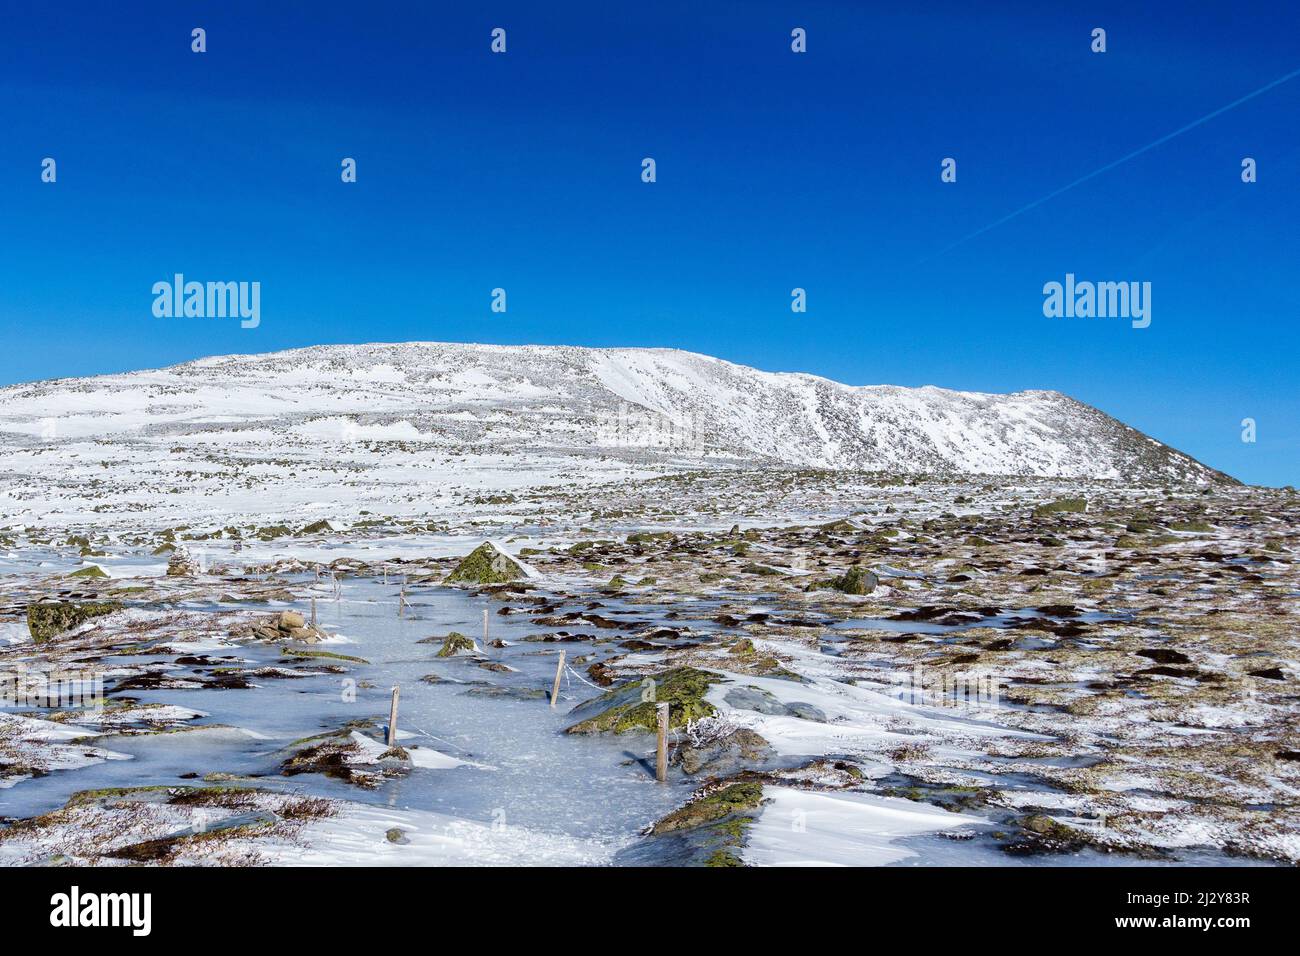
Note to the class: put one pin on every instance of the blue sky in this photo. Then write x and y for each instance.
(775, 171)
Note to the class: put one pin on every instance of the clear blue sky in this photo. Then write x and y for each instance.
(775, 170)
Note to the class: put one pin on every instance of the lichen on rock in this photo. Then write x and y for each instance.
(634, 706)
(50, 619)
(1071, 505)
(457, 643)
(486, 564)
(89, 571)
(856, 580)
(711, 806)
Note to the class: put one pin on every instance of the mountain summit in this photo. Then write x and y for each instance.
(423, 409)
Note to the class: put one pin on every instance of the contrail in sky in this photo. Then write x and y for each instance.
(1111, 165)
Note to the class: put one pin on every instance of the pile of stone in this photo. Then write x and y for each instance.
(287, 626)
(181, 565)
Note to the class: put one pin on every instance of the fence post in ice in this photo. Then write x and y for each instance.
(392, 717)
(313, 612)
(401, 599)
(555, 690)
(661, 756)
(485, 627)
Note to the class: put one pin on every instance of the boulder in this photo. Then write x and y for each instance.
(50, 619)
(179, 565)
(723, 756)
(457, 643)
(89, 571)
(1074, 505)
(287, 625)
(711, 806)
(633, 707)
(856, 580)
(486, 564)
(763, 702)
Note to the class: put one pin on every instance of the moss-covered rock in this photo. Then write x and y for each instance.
(1142, 526)
(457, 643)
(1063, 505)
(723, 857)
(1041, 834)
(89, 571)
(712, 806)
(645, 537)
(856, 580)
(633, 707)
(486, 564)
(48, 620)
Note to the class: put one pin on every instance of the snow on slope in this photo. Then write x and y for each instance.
(419, 414)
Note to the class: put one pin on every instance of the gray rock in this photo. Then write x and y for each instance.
(752, 698)
(726, 755)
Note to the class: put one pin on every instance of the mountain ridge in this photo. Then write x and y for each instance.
(668, 403)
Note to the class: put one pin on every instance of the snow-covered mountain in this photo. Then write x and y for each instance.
(428, 410)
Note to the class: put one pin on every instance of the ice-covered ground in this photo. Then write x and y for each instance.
(495, 779)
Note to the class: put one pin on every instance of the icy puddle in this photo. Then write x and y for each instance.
(519, 769)
(493, 776)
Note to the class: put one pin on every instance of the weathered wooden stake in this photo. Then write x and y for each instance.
(401, 600)
(661, 757)
(555, 690)
(313, 612)
(485, 628)
(392, 717)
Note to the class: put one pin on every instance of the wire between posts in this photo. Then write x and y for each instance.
(570, 670)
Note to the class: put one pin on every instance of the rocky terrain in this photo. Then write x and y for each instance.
(890, 625)
(859, 669)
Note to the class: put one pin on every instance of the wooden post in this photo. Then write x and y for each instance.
(401, 599)
(661, 757)
(555, 690)
(313, 612)
(485, 628)
(392, 717)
